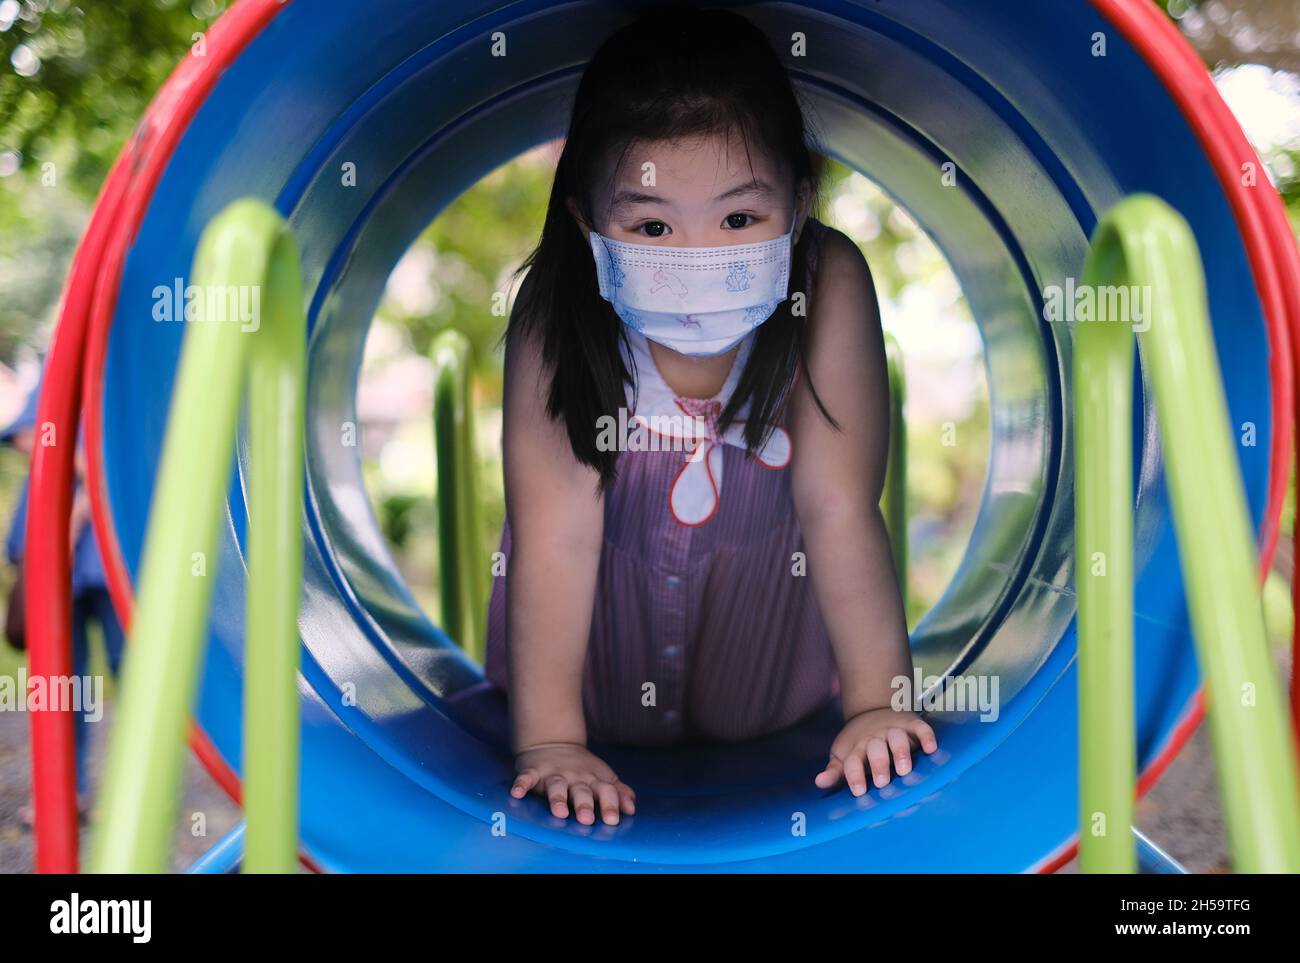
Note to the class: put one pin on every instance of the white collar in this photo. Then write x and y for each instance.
(696, 491)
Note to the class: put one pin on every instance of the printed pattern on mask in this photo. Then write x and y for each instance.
(739, 276)
(696, 301)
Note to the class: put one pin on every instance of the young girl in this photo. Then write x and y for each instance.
(736, 577)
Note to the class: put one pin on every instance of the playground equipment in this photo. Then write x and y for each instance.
(247, 249)
(1144, 246)
(360, 127)
(462, 571)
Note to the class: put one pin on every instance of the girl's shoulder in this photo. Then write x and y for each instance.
(830, 252)
(815, 231)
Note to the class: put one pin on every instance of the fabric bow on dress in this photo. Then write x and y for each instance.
(692, 425)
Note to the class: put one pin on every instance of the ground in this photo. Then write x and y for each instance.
(201, 795)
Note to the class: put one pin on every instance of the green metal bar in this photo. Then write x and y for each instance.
(1147, 247)
(246, 248)
(271, 708)
(893, 502)
(462, 567)
(1103, 384)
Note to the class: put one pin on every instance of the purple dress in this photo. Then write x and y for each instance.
(705, 624)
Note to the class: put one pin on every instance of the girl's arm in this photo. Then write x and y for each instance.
(837, 481)
(556, 517)
(556, 522)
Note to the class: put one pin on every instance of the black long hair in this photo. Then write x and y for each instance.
(673, 73)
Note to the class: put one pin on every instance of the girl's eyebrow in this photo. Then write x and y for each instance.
(625, 198)
(750, 188)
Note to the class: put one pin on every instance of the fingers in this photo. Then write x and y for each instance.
(524, 782)
(900, 744)
(924, 734)
(626, 798)
(854, 774)
(831, 775)
(878, 756)
(607, 798)
(557, 791)
(584, 805)
(585, 793)
(881, 755)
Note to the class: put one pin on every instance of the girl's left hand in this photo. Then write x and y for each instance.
(871, 737)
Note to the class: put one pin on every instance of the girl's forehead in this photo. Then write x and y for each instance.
(694, 170)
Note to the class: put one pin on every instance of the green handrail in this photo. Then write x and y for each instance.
(461, 564)
(893, 501)
(1146, 247)
(245, 251)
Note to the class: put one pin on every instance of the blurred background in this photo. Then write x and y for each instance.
(76, 77)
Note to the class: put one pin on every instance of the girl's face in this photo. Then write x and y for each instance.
(703, 192)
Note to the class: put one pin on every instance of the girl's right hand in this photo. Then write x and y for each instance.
(566, 772)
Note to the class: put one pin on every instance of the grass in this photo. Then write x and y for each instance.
(10, 659)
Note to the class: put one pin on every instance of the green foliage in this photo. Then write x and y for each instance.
(74, 82)
(78, 77)
(880, 237)
(471, 252)
(13, 468)
(395, 518)
(39, 229)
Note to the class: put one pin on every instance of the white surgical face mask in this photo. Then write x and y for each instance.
(695, 300)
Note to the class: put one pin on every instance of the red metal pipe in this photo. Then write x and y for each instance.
(47, 552)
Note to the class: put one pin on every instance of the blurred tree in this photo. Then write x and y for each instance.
(74, 81)
(1230, 33)
(78, 77)
(1241, 31)
(468, 255)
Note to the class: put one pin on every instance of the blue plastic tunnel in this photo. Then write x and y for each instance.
(405, 764)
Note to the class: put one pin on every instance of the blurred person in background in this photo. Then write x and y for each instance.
(90, 598)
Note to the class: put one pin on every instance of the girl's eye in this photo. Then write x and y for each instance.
(738, 221)
(654, 228)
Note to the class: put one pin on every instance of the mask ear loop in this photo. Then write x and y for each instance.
(796, 229)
